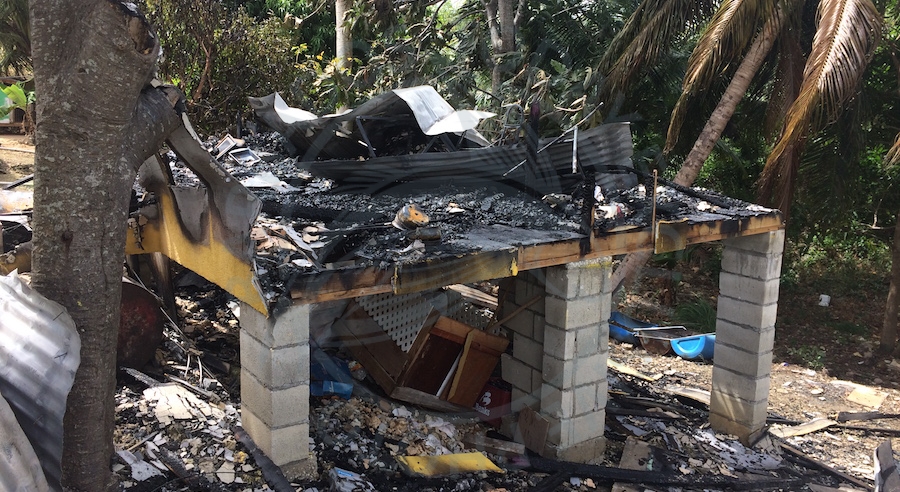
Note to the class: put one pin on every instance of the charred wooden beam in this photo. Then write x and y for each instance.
(503, 251)
(610, 474)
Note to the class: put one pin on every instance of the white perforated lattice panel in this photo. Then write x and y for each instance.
(400, 316)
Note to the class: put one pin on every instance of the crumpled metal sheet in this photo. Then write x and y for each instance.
(20, 468)
(435, 115)
(40, 350)
(390, 123)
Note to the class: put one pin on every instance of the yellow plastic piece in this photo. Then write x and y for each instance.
(447, 464)
(211, 259)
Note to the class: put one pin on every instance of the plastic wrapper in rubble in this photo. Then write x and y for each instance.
(39, 353)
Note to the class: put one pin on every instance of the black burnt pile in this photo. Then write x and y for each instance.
(310, 223)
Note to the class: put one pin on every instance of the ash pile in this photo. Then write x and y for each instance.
(324, 215)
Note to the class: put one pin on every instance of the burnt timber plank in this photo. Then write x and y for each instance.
(332, 285)
(434, 273)
(507, 250)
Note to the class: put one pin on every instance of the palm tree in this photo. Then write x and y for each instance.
(15, 40)
(735, 43)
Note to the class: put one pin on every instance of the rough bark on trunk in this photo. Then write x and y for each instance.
(97, 120)
(502, 17)
(343, 46)
(889, 328)
(627, 271)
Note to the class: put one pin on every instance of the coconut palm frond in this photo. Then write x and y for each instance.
(893, 155)
(628, 32)
(846, 36)
(646, 35)
(15, 40)
(785, 82)
(724, 41)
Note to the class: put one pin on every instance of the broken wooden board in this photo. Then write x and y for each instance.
(475, 296)
(494, 446)
(852, 416)
(814, 425)
(698, 395)
(635, 456)
(434, 354)
(416, 397)
(623, 369)
(480, 355)
(532, 429)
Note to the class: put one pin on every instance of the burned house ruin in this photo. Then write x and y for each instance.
(546, 218)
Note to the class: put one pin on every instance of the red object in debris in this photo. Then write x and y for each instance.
(494, 401)
(140, 326)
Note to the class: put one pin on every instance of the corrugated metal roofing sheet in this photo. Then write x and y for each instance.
(20, 468)
(39, 353)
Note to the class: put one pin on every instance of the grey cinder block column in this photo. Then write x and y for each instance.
(576, 349)
(745, 333)
(275, 385)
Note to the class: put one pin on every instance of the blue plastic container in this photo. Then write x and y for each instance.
(702, 346)
(621, 326)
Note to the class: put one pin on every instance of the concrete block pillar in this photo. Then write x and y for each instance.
(745, 333)
(522, 368)
(275, 385)
(560, 350)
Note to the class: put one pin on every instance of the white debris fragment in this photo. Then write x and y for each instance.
(226, 472)
(401, 412)
(141, 470)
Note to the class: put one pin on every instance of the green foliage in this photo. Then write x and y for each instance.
(698, 314)
(850, 328)
(15, 38)
(219, 56)
(851, 263)
(17, 96)
(808, 355)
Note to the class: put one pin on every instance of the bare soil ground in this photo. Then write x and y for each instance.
(16, 156)
(824, 360)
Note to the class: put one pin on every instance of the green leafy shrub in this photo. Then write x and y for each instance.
(698, 314)
(808, 355)
(19, 98)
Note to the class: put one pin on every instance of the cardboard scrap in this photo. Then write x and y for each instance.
(866, 396)
(623, 369)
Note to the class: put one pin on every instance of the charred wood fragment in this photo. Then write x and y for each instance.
(608, 474)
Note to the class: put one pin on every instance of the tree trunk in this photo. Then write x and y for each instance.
(889, 328)
(502, 17)
(343, 45)
(96, 122)
(627, 271)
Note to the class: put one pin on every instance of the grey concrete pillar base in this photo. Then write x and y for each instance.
(590, 451)
(726, 425)
(302, 470)
(745, 333)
